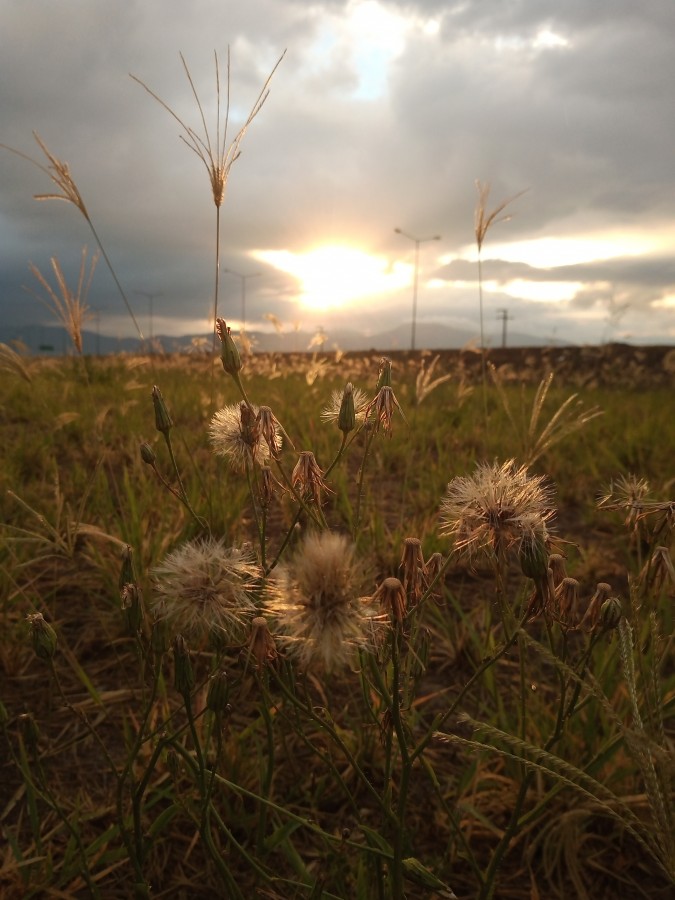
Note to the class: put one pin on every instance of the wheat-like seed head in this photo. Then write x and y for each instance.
(215, 153)
(70, 308)
(483, 219)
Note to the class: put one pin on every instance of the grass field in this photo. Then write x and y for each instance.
(308, 703)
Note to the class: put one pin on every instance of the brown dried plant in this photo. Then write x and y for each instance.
(59, 172)
(215, 153)
(70, 308)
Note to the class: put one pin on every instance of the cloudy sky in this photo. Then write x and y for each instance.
(382, 115)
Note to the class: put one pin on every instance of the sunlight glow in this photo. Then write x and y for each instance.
(538, 291)
(550, 252)
(335, 276)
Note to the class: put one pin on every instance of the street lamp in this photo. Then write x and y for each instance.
(417, 241)
(244, 279)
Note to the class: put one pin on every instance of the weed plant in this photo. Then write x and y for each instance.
(360, 644)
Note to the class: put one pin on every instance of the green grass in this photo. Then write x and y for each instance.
(306, 778)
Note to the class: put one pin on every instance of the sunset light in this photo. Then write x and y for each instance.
(332, 277)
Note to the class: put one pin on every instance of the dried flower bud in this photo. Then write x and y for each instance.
(307, 476)
(610, 614)
(266, 486)
(261, 647)
(566, 600)
(127, 574)
(392, 598)
(591, 617)
(413, 570)
(249, 427)
(148, 454)
(43, 636)
(384, 374)
(383, 405)
(218, 693)
(659, 569)
(270, 430)
(432, 567)
(347, 415)
(163, 421)
(132, 605)
(229, 354)
(184, 678)
(556, 563)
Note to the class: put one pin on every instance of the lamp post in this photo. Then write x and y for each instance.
(417, 241)
(244, 279)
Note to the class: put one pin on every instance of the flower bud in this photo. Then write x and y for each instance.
(218, 693)
(261, 648)
(163, 421)
(384, 375)
(392, 599)
(29, 731)
(184, 677)
(43, 637)
(229, 354)
(4, 715)
(347, 414)
(610, 614)
(533, 557)
(159, 637)
(148, 454)
(127, 574)
(132, 605)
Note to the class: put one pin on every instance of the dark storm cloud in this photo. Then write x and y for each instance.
(571, 101)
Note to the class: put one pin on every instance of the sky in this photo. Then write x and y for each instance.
(382, 115)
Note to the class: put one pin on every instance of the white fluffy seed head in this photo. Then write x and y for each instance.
(202, 589)
(315, 600)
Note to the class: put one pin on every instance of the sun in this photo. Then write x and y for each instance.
(335, 276)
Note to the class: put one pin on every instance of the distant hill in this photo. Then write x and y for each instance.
(48, 340)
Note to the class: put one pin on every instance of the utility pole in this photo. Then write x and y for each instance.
(504, 315)
(417, 241)
(150, 296)
(244, 279)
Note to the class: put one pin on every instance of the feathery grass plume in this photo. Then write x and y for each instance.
(316, 602)
(69, 308)
(59, 173)
(235, 434)
(425, 383)
(496, 508)
(483, 221)
(215, 153)
(203, 589)
(11, 361)
(568, 418)
(334, 409)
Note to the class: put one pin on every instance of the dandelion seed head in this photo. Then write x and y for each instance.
(237, 438)
(497, 507)
(315, 600)
(202, 588)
